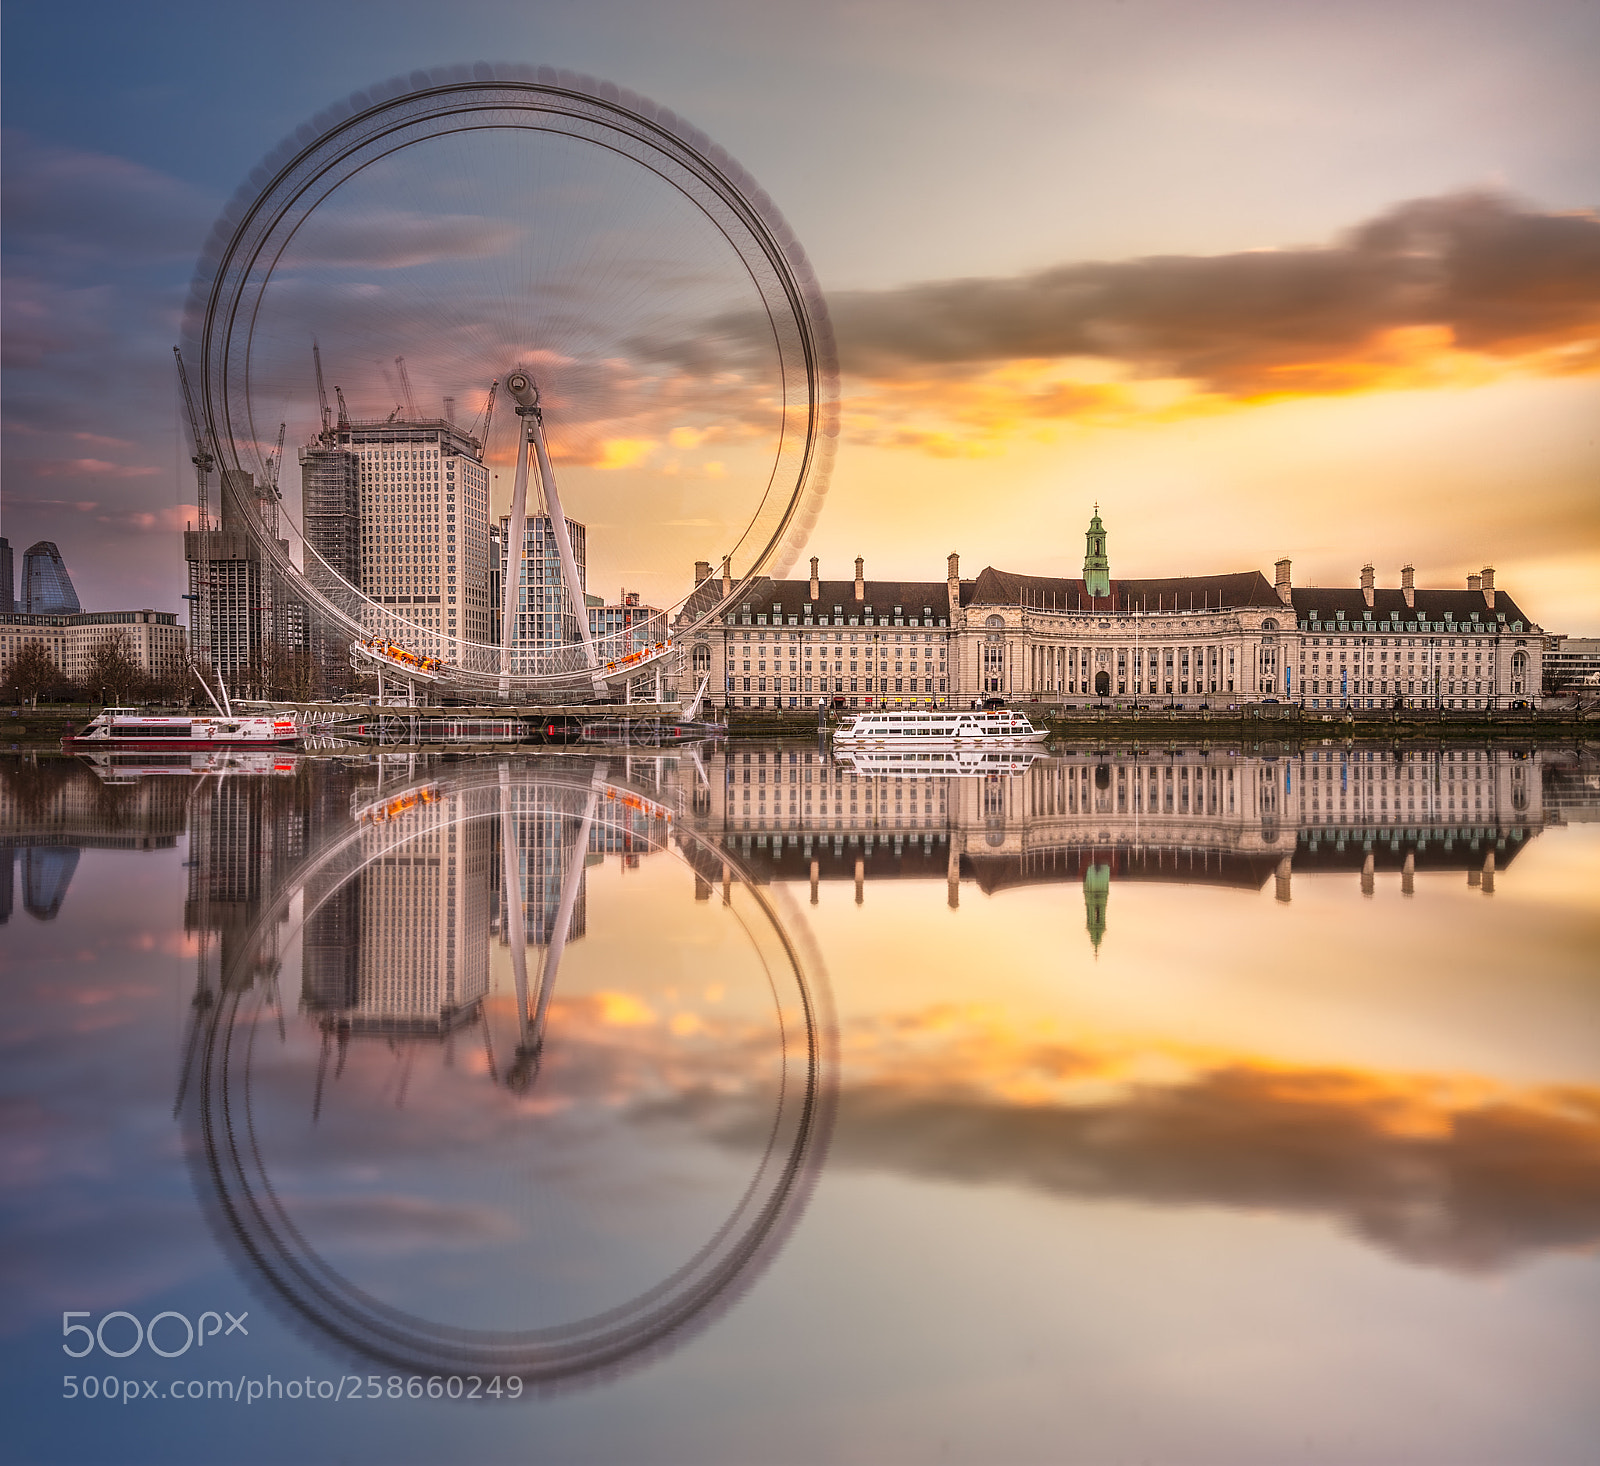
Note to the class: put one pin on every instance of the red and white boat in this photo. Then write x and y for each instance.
(131, 728)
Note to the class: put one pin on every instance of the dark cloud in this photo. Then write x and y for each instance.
(1501, 279)
(1472, 1187)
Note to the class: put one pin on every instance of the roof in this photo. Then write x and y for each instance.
(1173, 593)
(1431, 605)
(892, 598)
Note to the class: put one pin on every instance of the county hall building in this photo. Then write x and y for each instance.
(1184, 641)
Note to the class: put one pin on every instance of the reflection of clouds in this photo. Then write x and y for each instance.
(1446, 1172)
(1449, 1173)
(392, 1224)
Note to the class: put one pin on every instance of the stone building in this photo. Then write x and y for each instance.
(153, 639)
(1180, 641)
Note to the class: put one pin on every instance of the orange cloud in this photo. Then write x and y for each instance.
(1438, 292)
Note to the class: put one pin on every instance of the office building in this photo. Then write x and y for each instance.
(545, 617)
(153, 639)
(46, 586)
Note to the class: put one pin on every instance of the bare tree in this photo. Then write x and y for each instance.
(32, 672)
(112, 672)
(275, 671)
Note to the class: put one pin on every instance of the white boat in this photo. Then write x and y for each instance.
(991, 729)
(969, 761)
(131, 728)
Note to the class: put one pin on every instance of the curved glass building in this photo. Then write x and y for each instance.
(46, 586)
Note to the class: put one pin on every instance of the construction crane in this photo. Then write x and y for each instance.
(322, 394)
(405, 388)
(344, 414)
(204, 461)
(488, 412)
(268, 494)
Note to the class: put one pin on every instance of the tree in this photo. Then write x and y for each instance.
(31, 672)
(275, 671)
(112, 672)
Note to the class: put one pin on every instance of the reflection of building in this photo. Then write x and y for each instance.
(545, 824)
(402, 948)
(1180, 640)
(50, 810)
(1093, 818)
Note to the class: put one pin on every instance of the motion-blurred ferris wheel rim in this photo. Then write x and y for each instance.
(284, 190)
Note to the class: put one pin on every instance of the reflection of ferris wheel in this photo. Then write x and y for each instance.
(640, 301)
(233, 1116)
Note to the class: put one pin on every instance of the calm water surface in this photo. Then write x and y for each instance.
(745, 1104)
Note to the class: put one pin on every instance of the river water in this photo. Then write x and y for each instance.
(745, 1103)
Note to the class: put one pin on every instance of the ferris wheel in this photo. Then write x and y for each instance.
(660, 348)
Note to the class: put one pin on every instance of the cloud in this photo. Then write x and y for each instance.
(395, 239)
(66, 204)
(1431, 291)
(88, 468)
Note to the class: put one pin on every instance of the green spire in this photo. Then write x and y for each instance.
(1096, 892)
(1096, 568)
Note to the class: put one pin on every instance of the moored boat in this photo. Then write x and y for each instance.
(953, 728)
(133, 728)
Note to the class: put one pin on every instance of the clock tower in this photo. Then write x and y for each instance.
(1096, 568)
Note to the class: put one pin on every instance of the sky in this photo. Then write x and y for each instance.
(1259, 280)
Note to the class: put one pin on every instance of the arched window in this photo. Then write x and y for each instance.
(994, 621)
(1270, 624)
(702, 656)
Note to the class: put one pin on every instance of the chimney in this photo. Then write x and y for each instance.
(861, 587)
(1408, 584)
(1366, 583)
(727, 575)
(816, 588)
(1281, 583)
(953, 586)
(1488, 586)
(1475, 582)
(702, 571)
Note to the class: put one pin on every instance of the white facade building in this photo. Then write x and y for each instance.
(1191, 642)
(402, 509)
(153, 639)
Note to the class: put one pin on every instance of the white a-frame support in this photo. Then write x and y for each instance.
(532, 436)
